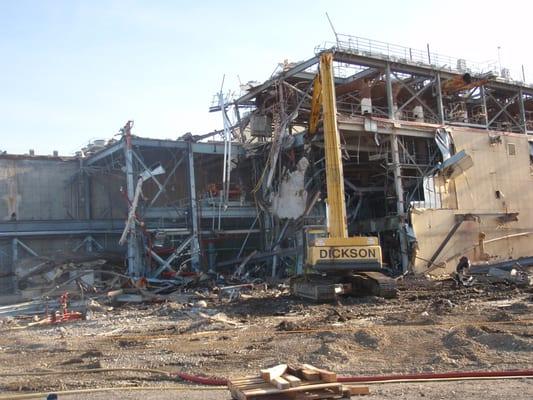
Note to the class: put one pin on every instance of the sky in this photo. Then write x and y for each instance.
(73, 71)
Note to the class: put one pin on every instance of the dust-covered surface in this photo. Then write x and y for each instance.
(431, 326)
(487, 390)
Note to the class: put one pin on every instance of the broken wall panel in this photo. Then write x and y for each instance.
(496, 190)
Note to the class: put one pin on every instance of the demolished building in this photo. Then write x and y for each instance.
(437, 159)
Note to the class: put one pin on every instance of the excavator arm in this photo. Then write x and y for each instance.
(316, 104)
(342, 264)
(334, 172)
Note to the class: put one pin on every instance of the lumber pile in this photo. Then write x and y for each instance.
(302, 382)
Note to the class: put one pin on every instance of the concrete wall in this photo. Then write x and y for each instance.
(495, 168)
(38, 189)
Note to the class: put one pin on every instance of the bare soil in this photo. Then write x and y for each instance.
(431, 326)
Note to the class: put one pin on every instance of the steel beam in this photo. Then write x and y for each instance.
(415, 95)
(87, 195)
(420, 70)
(205, 212)
(167, 179)
(503, 109)
(388, 85)
(166, 263)
(134, 265)
(484, 104)
(199, 147)
(14, 250)
(139, 159)
(522, 111)
(195, 244)
(15, 243)
(440, 107)
(356, 124)
(283, 75)
(115, 148)
(397, 172)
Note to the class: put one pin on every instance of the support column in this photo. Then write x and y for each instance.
(195, 244)
(522, 109)
(239, 122)
(89, 244)
(87, 196)
(397, 171)
(388, 86)
(299, 257)
(87, 204)
(14, 250)
(211, 256)
(440, 107)
(134, 267)
(484, 103)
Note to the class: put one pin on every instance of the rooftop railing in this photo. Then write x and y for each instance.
(393, 52)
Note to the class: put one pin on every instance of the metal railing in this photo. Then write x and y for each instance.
(407, 55)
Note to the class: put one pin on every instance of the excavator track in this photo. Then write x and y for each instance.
(378, 284)
(316, 287)
(322, 288)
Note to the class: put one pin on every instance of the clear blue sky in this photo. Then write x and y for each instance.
(72, 70)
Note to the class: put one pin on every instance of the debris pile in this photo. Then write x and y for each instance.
(304, 382)
(511, 272)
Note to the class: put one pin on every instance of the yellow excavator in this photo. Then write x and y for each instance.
(335, 263)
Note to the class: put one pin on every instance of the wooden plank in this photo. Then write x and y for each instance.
(310, 374)
(259, 383)
(265, 385)
(273, 372)
(318, 395)
(356, 390)
(327, 376)
(247, 380)
(236, 393)
(303, 388)
(280, 383)
(262, 385)
(293, 381)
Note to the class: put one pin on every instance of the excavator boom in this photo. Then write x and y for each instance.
(349, 263)
(334, 174)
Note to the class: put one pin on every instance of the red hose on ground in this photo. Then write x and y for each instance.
(216, 381)
(202, 380)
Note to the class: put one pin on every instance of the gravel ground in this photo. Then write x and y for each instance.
(486, 390)
(431, 326)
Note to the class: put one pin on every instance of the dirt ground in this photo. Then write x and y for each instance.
(492, 390)
(431, 326)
